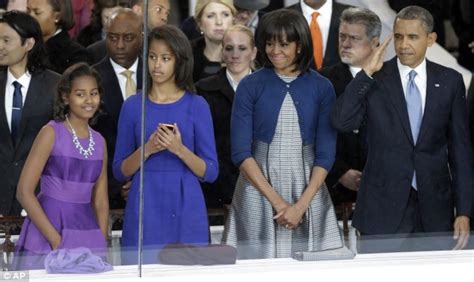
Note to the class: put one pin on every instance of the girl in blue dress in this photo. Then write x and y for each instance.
(179, 151)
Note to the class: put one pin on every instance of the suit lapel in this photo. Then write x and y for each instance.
(113, 98)
(331, 51)
(394, 88)
(31, 97)
(225, 87)
(4, 129)
(431, 93)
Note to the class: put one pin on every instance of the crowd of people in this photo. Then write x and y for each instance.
(277, 116)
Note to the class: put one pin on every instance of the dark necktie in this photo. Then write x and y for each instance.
(16, 109)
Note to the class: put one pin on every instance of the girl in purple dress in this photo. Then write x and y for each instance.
(69, 160)
(180, 151)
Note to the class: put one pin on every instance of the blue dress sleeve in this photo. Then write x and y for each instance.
(325, 138)
(205, 144)
(126, 141)
(241, 124)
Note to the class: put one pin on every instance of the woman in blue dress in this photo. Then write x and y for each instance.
(284, 145)
(179, 151)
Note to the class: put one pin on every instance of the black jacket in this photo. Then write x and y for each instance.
(63, 52)
(220, 95)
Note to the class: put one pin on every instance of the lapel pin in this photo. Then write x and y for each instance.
(436, 85)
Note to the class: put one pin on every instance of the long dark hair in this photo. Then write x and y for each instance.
(27, 27)
(181, 48)
(65, 85)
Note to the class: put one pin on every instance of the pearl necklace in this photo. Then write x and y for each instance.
(75, 140)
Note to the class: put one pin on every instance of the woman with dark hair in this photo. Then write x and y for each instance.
(69, 159)
(101, 13)
(284, 145)
(180, 151)
(56, 18)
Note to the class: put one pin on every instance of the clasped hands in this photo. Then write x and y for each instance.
(164, 138)
(289, 216)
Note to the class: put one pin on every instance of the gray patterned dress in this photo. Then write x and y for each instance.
(287, 165)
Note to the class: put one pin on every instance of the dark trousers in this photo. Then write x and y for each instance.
(410, 235)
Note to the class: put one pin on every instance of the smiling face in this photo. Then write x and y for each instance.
(238, 52)
(12, 53)
(354, 46)
(161, 62)
(84, 98)
(282, 54)
(215, 19)
(411, 40)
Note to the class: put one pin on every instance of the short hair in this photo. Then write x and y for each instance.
(65, 86)
(284, 22)
(66, 13)
(417, 13)
(365, 17)
(182, 51)
(201, 5)
(124, 11)
(27, 27)
(240, 28)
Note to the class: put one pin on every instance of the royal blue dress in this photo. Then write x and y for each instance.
(174, 207)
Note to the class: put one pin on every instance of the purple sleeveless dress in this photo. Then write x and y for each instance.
(67, 184)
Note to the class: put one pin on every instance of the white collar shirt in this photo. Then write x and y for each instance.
(118, 69)
(420, 79)
(324, 19)
(24, 80)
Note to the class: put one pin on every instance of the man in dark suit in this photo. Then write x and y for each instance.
(26, 93)
(121, 72)
(330, 12)
(359, 33)
(158, 14)
(417, 181)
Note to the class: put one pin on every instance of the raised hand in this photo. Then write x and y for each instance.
(375, 62)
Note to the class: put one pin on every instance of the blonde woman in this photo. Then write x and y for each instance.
(238, 54)
(213, 17)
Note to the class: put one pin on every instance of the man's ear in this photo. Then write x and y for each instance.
(29, 43)
(432, 38)
(375, 42)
